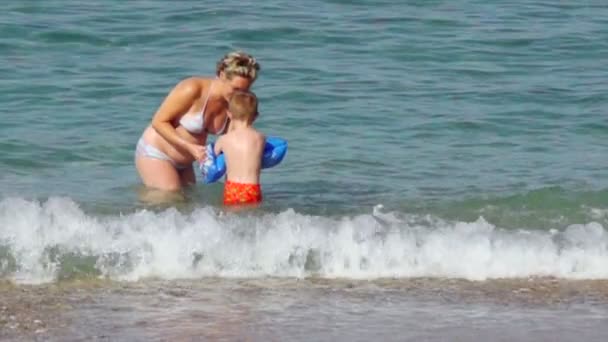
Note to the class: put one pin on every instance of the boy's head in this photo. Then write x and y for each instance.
(243, 105)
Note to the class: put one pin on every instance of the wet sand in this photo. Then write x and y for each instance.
(310, 309)
(39, 311)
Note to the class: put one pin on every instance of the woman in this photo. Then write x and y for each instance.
(195, 108)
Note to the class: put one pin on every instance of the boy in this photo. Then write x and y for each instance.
(243, 147)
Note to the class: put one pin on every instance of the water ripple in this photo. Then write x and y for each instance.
(426, 98)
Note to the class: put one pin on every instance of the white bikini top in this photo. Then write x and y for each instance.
(195, 124)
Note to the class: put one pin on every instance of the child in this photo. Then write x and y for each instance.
(243, 147)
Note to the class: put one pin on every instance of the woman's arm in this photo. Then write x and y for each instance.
(178, 102)
(217, 147)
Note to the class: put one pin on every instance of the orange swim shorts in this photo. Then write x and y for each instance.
(242, 193)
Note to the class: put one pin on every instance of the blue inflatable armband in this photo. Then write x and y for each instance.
(214, 167)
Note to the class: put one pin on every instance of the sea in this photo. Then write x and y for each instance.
(446, 177)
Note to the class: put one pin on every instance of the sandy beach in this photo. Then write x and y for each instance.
(279, 309)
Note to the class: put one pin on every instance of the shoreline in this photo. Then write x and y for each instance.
(37, 311)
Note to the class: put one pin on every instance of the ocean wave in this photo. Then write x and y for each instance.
(55, 239)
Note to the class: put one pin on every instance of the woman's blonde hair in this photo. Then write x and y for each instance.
(238, 63)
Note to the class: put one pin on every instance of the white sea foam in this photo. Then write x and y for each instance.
(36, 239)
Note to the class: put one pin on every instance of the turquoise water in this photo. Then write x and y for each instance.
(443, 112)
(459, 140)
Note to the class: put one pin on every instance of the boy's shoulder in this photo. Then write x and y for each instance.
(259, 133)
(240, 135)
(253, 132)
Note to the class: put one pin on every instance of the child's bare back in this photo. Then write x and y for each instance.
(243, 148)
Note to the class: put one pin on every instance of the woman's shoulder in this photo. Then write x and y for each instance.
(196, 81)
(194, 84)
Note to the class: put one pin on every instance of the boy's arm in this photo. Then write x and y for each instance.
(217, 147)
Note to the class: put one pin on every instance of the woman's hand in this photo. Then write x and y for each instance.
(199, 152)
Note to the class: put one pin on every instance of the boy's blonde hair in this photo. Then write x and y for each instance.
(238, 63)
(243, 105)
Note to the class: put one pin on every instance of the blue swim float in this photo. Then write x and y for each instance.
(214, 166)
